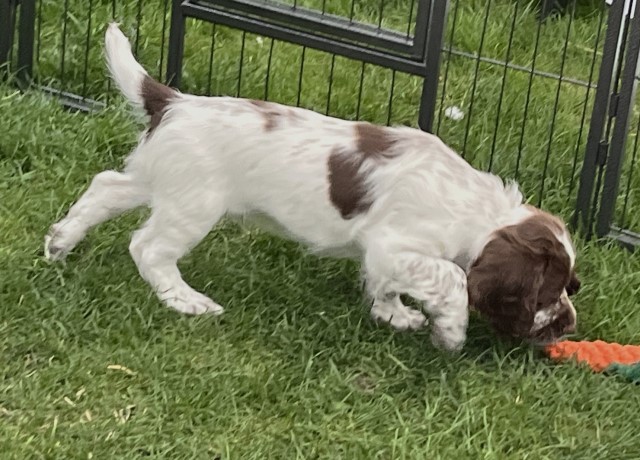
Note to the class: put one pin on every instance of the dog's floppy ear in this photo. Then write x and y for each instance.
(522, 269)
(503, 286)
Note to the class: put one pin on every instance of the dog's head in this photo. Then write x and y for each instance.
(522, 280)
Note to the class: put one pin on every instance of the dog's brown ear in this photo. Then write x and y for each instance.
(503, 286)
(523, 269)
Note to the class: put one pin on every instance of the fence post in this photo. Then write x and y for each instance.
(422, 27)
(176, 44)
(6, 35)
(596, 148)
(434, 41)
(625, 103)
(26, 36)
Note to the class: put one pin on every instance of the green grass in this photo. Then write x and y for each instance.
(294, 369)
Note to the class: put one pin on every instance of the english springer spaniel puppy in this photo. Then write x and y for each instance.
(421, 221)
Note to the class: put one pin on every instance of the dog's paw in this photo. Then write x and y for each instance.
(53, 249)
(51, 252)
(450, 339)
(191, 302)
(60, 240)
(414, 319)
(401, 319)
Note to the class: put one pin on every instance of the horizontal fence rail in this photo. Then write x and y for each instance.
(417, 54)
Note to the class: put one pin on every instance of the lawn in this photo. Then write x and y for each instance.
(94, 367)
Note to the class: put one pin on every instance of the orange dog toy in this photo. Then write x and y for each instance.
(598, 355)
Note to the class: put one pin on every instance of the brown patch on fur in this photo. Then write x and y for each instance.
(156, 97)
(346, 185)
(347, 181)
(372, 140)
(523, 269)
(270, 112)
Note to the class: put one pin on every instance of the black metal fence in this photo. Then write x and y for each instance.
(608, 189)
(547, 99)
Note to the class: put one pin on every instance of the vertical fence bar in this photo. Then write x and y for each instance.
(594, 59)
(300, 75)
(620, 130)
(503, 84)
(422, 26)
(212, 50)
(593, 153)
(527, 102)
(268, 76)
(241, 64)
(165, 5)
(603, 152)
(358, 106)
(63, 46)
(136, 46)
(554, 112)
(474, 85)
(87, 50)
(176, 44)
(26, 37)
(452, 35)
(6, 34)
(410, 21)
(330, 84)
(434, 41)
(113, 17)
(390, 104)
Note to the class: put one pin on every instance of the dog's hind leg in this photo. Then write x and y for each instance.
(110, 194)
(171, 231)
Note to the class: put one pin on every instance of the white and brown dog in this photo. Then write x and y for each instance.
(420, 219)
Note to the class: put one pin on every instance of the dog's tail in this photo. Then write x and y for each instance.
(134, 82)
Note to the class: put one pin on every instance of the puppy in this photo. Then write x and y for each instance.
(419, 219)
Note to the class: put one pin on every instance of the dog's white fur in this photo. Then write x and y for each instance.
(430, 217)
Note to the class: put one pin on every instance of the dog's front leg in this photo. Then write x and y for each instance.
(439, 284)
(388, 308)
